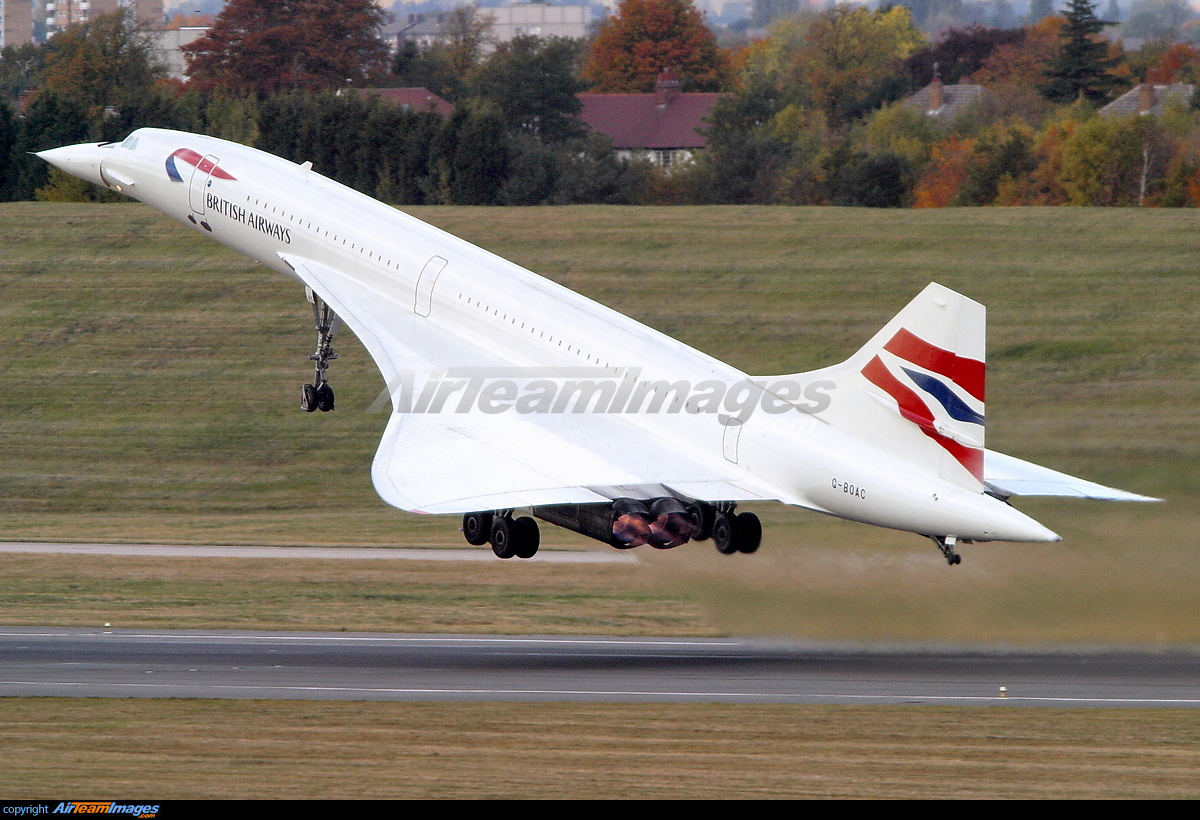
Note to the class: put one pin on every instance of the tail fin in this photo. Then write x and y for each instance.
(917, 388)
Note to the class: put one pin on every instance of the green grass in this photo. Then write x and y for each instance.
(168, 749)
(150, 394)
(151, 388)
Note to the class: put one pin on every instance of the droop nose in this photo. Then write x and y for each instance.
(81, 160)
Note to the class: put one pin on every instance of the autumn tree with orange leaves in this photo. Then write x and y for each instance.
(649, 36)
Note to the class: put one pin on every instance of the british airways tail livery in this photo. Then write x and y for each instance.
(510, 392)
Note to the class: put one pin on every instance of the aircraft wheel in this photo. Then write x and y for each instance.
(749, 532)
(324, 398)
(502, 540)
(308, 398)
(723, 534)
(702, 520)
(477, 528)
(526, 538)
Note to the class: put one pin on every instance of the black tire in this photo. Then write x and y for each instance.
(748, 531)
(325, 398)
(502, 540)
(702, 519)
(526, 538)
(477, 528)
(723, 534)
(308, 398)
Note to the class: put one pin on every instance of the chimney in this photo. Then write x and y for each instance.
(1145, 98)
(667, 88)
(936, 96)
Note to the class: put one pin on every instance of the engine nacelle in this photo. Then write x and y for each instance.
(662, 523)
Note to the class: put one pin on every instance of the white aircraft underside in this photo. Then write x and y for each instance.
(509, 391)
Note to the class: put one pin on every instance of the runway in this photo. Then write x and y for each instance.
(345, 666)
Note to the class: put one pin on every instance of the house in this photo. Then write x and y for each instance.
(421, 100)
(1149, 98)
(945, 101)
(664, 126)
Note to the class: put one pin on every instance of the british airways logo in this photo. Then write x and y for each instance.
(187, 156)
(953, 383)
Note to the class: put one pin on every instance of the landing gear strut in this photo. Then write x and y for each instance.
(319, 395)
(946, 544)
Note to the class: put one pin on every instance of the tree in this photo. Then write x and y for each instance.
(1082, 66)
(743, 158)
(274, 45)
(19, 68)
(647, 37)
(850, 57)
(533, 83)
(959, 53)
(103, 64)
(416, 67)
(51, 120)
(1022, 62)
(466, 32)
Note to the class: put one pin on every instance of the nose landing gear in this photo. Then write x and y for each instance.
(319, 395)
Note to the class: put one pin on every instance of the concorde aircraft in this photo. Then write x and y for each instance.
(511, 392)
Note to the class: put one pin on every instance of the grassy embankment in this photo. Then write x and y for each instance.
(246, 749)
(150, 395)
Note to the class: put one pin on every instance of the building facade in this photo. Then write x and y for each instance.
(16, 22)
(63, 13)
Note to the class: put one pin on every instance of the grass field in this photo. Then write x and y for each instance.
(151, 387)
(262, 749)
(151, 381)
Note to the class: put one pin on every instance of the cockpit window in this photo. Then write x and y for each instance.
(130, 143)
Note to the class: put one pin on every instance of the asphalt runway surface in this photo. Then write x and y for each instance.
(39, 661)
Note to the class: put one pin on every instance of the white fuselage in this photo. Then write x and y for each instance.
(494, 313)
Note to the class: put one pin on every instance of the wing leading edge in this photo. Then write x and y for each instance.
(449, 462)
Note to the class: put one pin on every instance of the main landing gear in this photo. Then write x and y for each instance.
(662, 523)
(735, 532)
(510, 537)
(319, 396)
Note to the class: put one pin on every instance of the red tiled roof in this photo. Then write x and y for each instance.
(421, 100)
(646, 121)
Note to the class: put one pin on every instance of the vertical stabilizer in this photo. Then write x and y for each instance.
(917, 388)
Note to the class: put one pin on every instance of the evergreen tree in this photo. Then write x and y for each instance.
(52, 120)
(533, 82)
(480, 158)
(8, 144)
(1082, 66)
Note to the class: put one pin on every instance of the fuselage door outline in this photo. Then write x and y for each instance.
(200, 182)
(423, 303)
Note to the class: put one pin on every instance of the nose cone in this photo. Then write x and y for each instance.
(82, 160)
